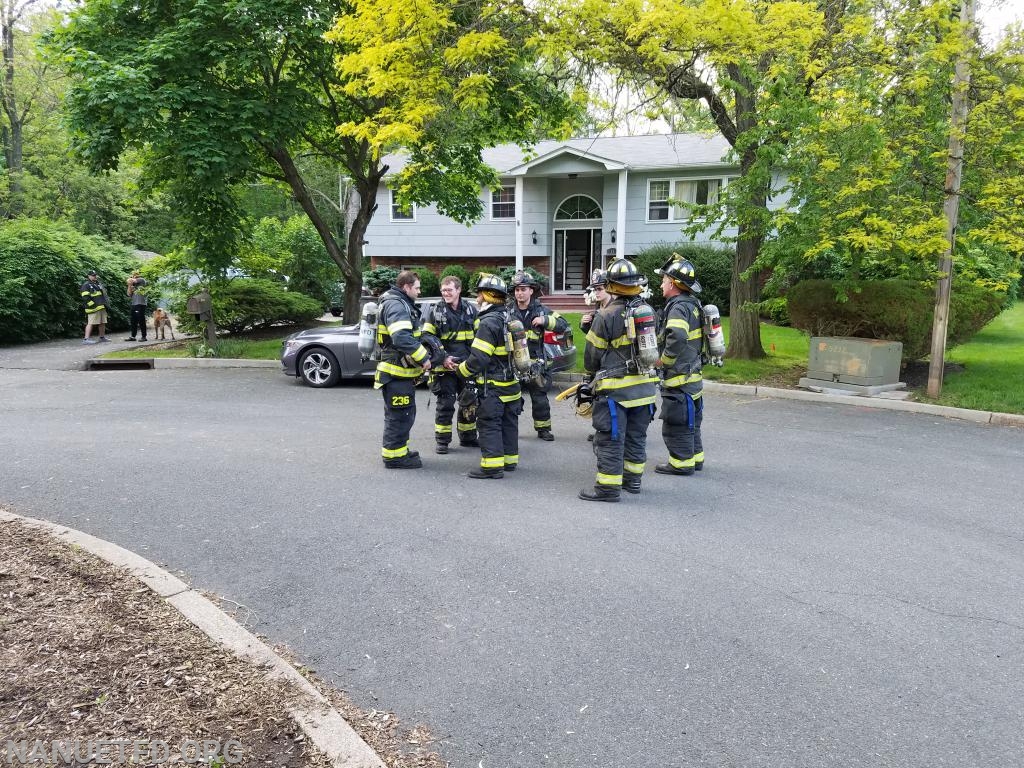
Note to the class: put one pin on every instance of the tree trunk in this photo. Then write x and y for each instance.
(367, 193)
(744, 322)
(13, 141)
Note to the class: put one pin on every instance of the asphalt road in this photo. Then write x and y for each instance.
(841, 586)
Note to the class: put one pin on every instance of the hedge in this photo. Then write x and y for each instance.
(42, 265)
(713, 266)
(245, 304)
(892, 310)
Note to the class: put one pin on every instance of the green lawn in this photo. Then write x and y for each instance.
(992, 378)
(993, 374)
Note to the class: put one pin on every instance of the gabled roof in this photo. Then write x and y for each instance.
(636, 153)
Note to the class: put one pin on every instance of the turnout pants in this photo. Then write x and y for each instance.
(540, 405)
(137, 320)
(620, 440)
(498, 426)
(399, 416)
(446, 388)
(682, 413)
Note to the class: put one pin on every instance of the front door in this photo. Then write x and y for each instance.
(576, 253)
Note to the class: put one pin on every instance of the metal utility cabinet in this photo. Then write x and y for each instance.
(860, 365)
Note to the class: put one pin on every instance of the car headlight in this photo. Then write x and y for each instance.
(289, 345)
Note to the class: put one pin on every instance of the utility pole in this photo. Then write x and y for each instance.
(951, 206)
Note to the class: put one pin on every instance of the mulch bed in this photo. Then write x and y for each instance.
(88, 652)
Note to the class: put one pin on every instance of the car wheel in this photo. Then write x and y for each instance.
(319, 368)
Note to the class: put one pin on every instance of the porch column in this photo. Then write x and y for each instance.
(620, 216)
(519, 222)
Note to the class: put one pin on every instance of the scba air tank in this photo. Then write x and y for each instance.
(518, 345)
(643, 327)
(713, 334)
(368, 330)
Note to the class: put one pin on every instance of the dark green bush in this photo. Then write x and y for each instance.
(474, 278)
(429, 283)
(507, 273)
(712, 264)
(379, 279)
(776, 310)
(246, 304)
(457, 270)
(42, 265)
(893, 310)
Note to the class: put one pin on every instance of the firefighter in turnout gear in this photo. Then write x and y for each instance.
(402, 361)
(624, 392)
(681, 342)
(536, 319)
(500, 399)
(451, 320)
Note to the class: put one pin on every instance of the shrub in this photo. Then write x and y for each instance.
(507, 273)
(429, 284)
(776, 310)
(474, 278)
(42, 265)
(379, 279)
(713, 266)
(247, 304)
(893, 310)
(457, 270)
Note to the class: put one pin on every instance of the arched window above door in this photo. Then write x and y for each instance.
(578, 207)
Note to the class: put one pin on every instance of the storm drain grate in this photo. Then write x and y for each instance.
(126, 364)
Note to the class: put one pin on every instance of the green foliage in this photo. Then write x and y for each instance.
(429, 283)
(250, 304)
(776, 310)
(459, 271)
(713, 266)
(507, 273)
(894, 310)
(290, 250)
(379, 279)
(42, 265)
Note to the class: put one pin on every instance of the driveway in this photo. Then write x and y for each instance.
(840, 586)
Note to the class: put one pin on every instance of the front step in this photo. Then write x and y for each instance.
(565, 302)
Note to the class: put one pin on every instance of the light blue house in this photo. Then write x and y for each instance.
(566, 211)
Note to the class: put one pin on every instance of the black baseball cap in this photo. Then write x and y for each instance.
(91, 272)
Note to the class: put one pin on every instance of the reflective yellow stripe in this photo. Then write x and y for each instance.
(635, 403)
(681, 463)
(597, 341)
(399, 325)
(667, 360)
(698, 457)
(622, 341)
(466, 426)
(603, 479)
(492, 462)
(463, 370)
(483, 346)
(541, 424)
(463, 336)
(419, 355)
(397, 370)
(694, 334)
(634, 468)
(532, 336)
(429, 328)
(625, 381)
(509, 398)
(677, 322)
(678, 381)
(512, 459)
(442, 429)
(394, 453)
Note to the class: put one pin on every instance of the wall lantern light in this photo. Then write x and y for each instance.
(534, 235)
(613, 235)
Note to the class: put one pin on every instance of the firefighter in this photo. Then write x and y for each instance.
(536, 319)
(681, 342)
(596, 295)
(622, 389)
(500, 398)
(451, 321)
(402, 361)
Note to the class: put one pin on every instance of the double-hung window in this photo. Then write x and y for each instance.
(663, 196)
(503, 203)
(401, 214)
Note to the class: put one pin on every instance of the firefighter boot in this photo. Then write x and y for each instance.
(545, 434)
(600, 493)
(631, 482)
(404, 462)
(486, 474)
(441, 447)
(668, 469)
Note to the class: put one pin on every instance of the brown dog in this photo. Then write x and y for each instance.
(162, 321)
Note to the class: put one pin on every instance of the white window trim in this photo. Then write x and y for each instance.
(567, 198)
(491, 204)
(722, 180)
(391, 210)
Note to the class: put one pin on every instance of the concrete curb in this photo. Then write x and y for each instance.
(979, 417)
(319, 721)
(184, 362)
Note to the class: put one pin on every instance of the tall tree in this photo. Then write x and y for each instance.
(19, 66)
(750, 62)
(218, 92)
